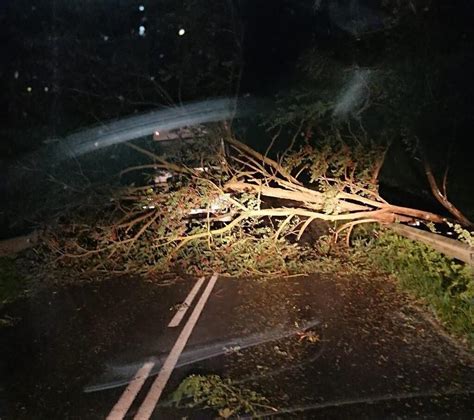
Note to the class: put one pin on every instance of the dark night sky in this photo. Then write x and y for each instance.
(53, 49)
(66, 65)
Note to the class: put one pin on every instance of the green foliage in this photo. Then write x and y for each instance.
(345, 152)
(151, 231)
(255, 252)
(336, 162)
(444, 284)
(463, 235)
(219, 394)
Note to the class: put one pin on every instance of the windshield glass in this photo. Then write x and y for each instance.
(236, 208)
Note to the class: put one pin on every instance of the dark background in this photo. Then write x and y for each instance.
(70, 64)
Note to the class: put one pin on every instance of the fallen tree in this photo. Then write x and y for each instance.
(241, 212)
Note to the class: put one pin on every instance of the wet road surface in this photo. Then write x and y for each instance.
(317, 347)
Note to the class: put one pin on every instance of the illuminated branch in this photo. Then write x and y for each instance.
(442, 198)
(275, 165)
(158, 228)
(305, 196)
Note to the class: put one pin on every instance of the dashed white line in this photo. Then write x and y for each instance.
(146, 409)
(178, 317)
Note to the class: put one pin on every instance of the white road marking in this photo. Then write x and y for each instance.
(186, 304)
(130, 393)
(146, 409)
(122, 406)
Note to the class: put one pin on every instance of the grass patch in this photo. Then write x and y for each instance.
(445, 285)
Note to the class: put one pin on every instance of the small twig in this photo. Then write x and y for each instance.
(267, 160)
(303, 228)
(290, 147)
(301, 171)
(140, 167)
(442, 199)
(256, 169)
(139, 233)
(169, 165)
(378, 167)
(272, 142)
(445, 180)
(227, 197)
(350, 226)
(133, 222)
(282, 226)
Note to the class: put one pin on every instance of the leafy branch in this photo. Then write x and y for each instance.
(220, 216)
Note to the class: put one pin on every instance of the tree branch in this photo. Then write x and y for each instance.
(442, 198)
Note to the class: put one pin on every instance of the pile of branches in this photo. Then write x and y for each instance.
(216, 216)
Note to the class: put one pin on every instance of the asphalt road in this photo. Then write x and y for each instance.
(317, 347)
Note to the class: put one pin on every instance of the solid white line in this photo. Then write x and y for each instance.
(178, 317)
(130, 393)
(146, 409)
(120, 409)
